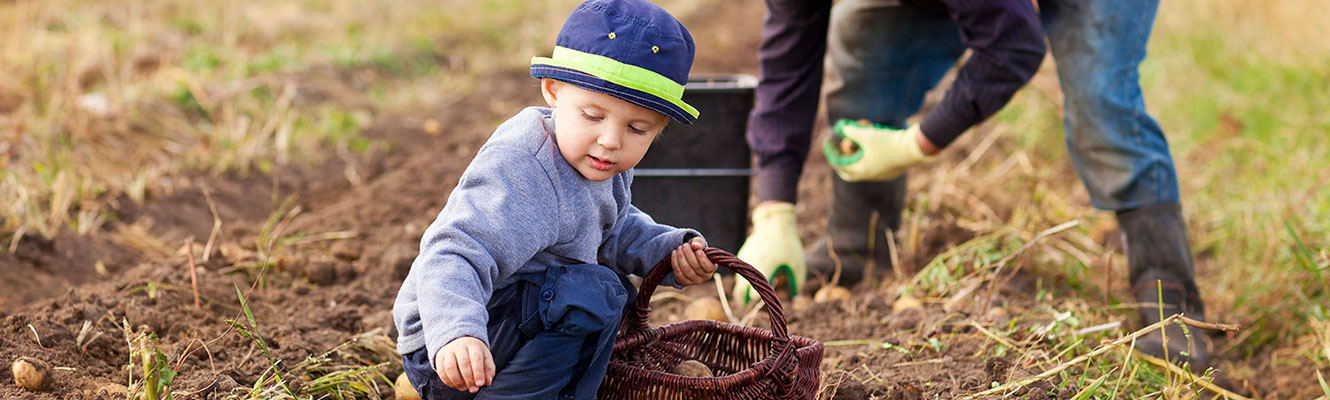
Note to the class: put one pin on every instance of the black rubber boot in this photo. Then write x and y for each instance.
(850, 226)
(1162, 278)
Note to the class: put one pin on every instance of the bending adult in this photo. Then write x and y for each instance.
(884, 55)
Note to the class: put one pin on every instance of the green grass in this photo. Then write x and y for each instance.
(102, 101)
(1244, 110)
(1257, 191)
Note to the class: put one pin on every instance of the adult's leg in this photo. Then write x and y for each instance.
(1122, 155)
(882, 58)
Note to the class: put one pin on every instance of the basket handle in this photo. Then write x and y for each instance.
(636, 318)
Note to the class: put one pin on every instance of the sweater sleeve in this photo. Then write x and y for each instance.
(1007, 45)
(637, 243)
(496, 219)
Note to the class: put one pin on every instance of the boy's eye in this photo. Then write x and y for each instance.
(635, 129)
(590, 117)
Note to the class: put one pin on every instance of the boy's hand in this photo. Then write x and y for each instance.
(465, 364)
(690, 262)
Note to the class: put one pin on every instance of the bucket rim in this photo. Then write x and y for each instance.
(712, 82)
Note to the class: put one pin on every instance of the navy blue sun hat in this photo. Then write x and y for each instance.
(630, 49)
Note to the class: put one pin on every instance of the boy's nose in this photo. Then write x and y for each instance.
(609, 140)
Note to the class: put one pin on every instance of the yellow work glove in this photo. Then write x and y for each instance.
(773, 248)
(879, 153)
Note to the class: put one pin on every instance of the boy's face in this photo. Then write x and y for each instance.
(599, 134)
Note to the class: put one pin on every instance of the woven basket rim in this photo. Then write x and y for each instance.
(747, 375)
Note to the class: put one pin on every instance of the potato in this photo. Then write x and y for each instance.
(112, 390)
(847, 146)
(31, 374)
(693, 369)
(906, 302)
(432, 126)
(831, 293)
(404, 389)
(706, 308)
(801, 303)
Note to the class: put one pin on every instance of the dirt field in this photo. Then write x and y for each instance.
(318, 260)
(320, 293)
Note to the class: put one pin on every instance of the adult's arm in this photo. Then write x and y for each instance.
(1006, 42)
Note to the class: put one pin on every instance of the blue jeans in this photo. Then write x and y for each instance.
(884, 56)
(550, 334)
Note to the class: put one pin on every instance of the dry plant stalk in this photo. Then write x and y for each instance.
(37, 337)
(831, 252)
(1091, 386)
(1104, 348)
(193, 272)
(997, 338)
(724, 301)
(752, 314)
(997, 267)
(867, 275)
(216, 225)
(671, 294)
(1192, 378)
(1322, 330)
(896, 266)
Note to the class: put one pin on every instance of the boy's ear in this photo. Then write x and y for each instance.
(549, 89)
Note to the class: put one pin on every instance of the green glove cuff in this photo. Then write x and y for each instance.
(773, 248)
(789, 276)
(832, 149)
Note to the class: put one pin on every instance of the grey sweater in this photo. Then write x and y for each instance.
(519, 207)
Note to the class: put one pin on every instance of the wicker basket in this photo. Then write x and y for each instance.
(748, 363)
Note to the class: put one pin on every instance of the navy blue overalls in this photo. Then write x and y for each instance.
(550, 333)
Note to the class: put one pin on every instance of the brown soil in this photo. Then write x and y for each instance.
(321, 293)
(912, 367)
(353, 245)
(318, 293)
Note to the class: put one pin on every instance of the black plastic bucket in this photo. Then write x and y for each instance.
(698, 176)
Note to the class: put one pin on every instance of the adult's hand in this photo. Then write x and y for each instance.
(773, 248)
(880, 153)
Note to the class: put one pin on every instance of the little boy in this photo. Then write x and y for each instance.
(519, 285)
